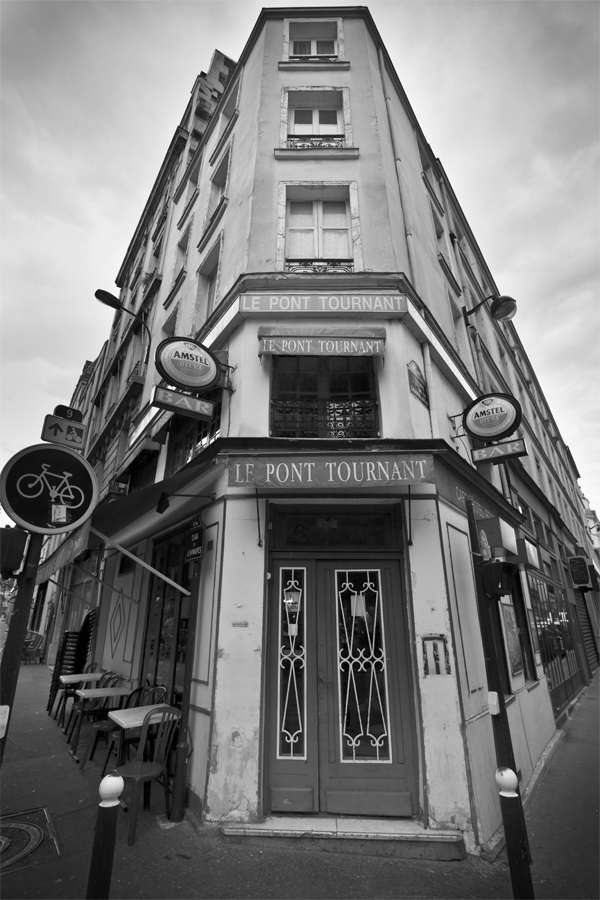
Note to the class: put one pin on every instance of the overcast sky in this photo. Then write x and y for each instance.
(507, 94)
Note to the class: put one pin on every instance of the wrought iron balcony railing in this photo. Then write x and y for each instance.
(310, 141)
(328, 57)
(319, 266)
(324, 418)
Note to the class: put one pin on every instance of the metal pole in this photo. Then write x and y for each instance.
(103, 851)
(183, 748)
(17, 631)
(513, 819)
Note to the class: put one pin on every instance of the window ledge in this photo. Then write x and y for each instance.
(212, 224)
(176, 285)
(296, 65)
(316, 153)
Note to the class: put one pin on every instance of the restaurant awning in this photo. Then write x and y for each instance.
(318, 340)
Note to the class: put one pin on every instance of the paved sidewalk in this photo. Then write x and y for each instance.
(182, 862)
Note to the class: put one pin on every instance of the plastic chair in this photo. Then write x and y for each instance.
(144, 771)
(69, 692)
(109, 729)
(92, 707)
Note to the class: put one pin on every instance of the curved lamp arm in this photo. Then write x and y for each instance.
(110, 300)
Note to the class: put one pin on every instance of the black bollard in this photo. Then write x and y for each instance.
(103, 852)
(517, 845)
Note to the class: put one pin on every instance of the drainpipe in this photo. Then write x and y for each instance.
(431, 392)
(397, 161)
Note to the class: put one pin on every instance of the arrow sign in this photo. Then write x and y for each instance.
(60, 431)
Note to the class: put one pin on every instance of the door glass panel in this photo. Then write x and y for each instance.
(362, 670)
(291, 688)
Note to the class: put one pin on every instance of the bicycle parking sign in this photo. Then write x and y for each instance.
(48, 489)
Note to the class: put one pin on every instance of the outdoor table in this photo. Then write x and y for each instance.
(92, 694)
(82, 678)
(133, 718)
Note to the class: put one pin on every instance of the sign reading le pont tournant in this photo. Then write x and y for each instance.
(334, 471)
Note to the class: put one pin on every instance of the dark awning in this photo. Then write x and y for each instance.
(319, 340)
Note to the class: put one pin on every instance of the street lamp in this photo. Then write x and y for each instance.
(501, 308)
(114, 303)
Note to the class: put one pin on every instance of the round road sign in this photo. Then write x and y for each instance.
(48, 489)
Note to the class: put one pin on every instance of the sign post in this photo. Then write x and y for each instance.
(17, 630)
(46, 489)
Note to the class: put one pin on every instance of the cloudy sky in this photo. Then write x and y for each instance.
(507, 94)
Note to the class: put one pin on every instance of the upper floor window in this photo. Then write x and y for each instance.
(324, 397)
(313, 41)
(321, 227)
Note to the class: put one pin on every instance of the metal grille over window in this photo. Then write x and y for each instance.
(362, 670)
(292, 665)
(327, 397)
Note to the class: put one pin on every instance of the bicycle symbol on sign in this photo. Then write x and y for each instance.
(60, 489)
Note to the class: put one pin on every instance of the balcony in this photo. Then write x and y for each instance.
(310, 141)
(318, 266)
(324, 418)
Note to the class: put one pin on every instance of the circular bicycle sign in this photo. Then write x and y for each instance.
(186, 364)
(48, 489)
(492, 416)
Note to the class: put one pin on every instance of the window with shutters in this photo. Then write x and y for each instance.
(318, 236)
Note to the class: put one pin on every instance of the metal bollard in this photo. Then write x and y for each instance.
(517, 844)
(103, 851)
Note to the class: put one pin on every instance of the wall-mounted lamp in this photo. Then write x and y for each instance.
(163, 500)
(114, 303)
(501, 308)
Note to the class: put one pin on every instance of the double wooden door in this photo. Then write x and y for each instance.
(340, 719)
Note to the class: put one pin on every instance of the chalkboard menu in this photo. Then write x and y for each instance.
(580, 573)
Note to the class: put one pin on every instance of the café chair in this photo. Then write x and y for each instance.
(109, 729)
(144, 771)
(91, 709)
(33, 649)
(69, 692)
(155, 694)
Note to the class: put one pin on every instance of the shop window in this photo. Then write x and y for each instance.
(190, 437)
(557, 651)
(324, 397)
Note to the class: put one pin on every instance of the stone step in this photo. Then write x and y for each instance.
(403, 838)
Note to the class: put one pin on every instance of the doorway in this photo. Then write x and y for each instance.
(340, 722)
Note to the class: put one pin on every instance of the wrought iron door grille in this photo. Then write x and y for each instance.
(308, 141)
(324, 418)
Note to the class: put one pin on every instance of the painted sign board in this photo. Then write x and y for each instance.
(68, 412)
(69, 550)
(580, 572)
(320, 346)
(62, 431)
(386, 305)
(497, 453)
(187, 364)
(331, 471)
(183, 404)
(48, 489)
(193, 542)
(492, 417)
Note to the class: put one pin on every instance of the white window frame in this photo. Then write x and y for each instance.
(289, 101)
(338, 41)
(318, 228)
(319, 190)
(208, 277)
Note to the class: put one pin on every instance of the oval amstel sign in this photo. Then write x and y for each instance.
(48, 489)
(186, 364)
(492, 416)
